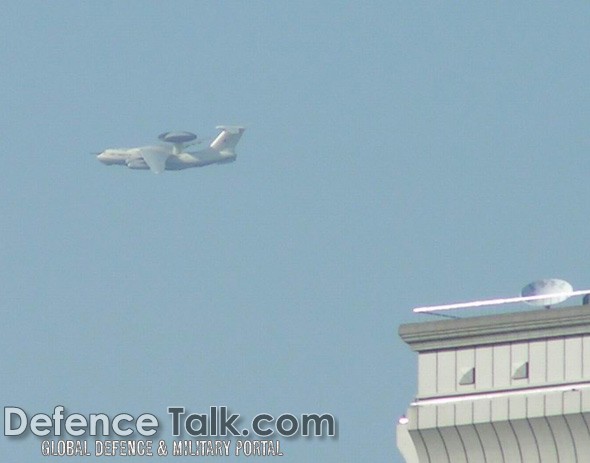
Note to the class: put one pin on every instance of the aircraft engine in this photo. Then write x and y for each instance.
(137, 164)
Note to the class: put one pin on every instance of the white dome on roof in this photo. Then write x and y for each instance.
(560, 290)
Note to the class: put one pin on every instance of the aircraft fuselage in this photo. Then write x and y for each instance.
(133, 159)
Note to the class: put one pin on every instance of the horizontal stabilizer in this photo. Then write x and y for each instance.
(231, 128)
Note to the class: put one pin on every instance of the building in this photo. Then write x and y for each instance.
(512, 388)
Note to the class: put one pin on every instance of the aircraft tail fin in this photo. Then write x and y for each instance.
(225, 143)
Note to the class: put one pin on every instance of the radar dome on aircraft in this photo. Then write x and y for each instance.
(177, 137)
(556, 290)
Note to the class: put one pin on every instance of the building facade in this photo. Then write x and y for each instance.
(509, 388)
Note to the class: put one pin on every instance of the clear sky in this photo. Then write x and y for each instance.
(396, 154)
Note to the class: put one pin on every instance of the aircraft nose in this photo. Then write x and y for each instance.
(102, 157)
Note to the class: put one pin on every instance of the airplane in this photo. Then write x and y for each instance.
(173, 156)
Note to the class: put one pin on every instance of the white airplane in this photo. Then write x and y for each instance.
(173, 156)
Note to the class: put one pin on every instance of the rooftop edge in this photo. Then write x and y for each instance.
(494, 329)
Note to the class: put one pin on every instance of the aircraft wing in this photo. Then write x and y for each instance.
(155, 158)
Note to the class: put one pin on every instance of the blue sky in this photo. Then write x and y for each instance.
(397, 154)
